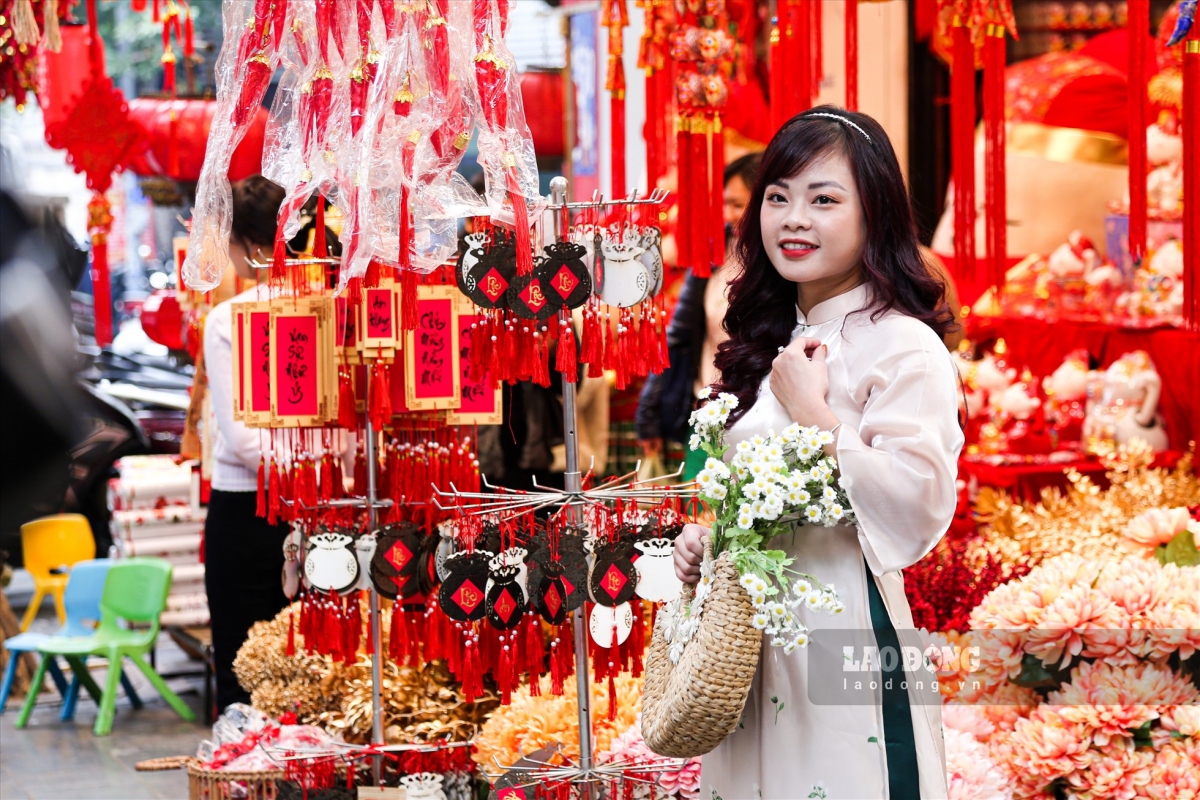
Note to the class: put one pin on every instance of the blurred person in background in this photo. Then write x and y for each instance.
(42, 408)
(693, 335)
(243, 553)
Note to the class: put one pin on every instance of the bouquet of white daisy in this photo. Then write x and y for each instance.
(771, 484)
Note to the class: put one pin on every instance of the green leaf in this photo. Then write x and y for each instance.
(1181, 550)
(1141, 736)
(873, 739)
(1034, 674)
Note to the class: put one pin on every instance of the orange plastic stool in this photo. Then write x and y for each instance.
(51, 543)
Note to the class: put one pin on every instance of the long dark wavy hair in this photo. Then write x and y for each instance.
(762, 303)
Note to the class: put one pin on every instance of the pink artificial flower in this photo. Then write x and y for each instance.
(1049, 746)
(1157, 526)
(967, 719)
(1183, 719)
(1115, 771)
(1059, 634)
(970, 773)
(1175, 773)
(1111, 701)
(631, 748)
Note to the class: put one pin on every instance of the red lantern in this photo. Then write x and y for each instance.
(162, 319)
(177, 134)
(62, 75)
(543, 90)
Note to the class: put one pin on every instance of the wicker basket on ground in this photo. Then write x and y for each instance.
(690, 707)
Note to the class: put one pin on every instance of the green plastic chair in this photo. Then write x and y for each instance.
(135, 591)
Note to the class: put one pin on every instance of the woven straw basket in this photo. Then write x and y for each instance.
(690, 707)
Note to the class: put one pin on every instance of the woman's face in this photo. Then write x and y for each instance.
(813, 228)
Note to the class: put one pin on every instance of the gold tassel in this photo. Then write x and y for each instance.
(51, 40)
(24, 23)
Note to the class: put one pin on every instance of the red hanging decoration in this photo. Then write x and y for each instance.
(996, 203)
(851, 12)
(1139, 43)
(615, 17)
(703, 50)
(1191, 180)
(962, 145)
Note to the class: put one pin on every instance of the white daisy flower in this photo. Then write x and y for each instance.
(760, 621)
(801, 639)
(801, 587)
(813, 513)
(718, 491)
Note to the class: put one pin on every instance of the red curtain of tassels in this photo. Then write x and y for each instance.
(996, 174)
(1139, 41)
(851, 55)
(1191, 180)
(962, 147)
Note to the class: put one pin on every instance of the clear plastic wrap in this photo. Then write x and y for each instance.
(443, 195)
(505, 144)
(243, 72)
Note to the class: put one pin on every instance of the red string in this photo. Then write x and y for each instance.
(1139, 39)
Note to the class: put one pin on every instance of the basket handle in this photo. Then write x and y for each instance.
(688, 594)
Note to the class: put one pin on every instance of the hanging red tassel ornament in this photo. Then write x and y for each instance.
(291, 639)
(273, 494)
(962, 147)
(566, 356)
(716, 219)
(1191, 179)
(326, 493)
(381, 396)
(816, 51)
(851, 47)
(260, 496)
(996, 204)
(347, 418)
(1139, 42)
(408, 300)
(320, 247)
(615, 17)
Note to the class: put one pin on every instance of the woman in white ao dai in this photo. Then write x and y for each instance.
(836, 322)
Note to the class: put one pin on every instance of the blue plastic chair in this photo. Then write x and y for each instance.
(81, 602)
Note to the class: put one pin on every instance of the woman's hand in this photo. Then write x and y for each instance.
(689, 551)
(800, 381)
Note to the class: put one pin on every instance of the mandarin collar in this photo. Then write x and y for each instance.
(836, 307)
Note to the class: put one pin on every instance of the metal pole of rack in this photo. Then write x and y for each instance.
(573, 482)
(375, 617)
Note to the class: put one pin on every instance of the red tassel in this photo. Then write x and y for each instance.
(1139, 39)
(406, 233)
(396, 644)
(851, 55)
(996, 172)
(701, 200)
(818, 57)
(381, 397)
(326, 478)
(320, 248)
(273, 494)
(612, 696)
(472, 679)
(716, 221)
(685, 223)
(637, 640)
(566, 358)
(408, 300)
(346, 415)
(1191, 181)
(617, 106)
(291, 640)
(534, 652)
(374, 274)
(279, 256)
(260, 506)
(962, 147)
(521, 223)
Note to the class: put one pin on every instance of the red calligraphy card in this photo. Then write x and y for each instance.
(431, 357)
(479, 400)
(302, 361)
(256, 375)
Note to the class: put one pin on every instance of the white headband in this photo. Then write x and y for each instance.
(840, 119)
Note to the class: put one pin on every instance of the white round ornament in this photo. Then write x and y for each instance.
(657, 581)
(623, 281)
(330, 564)
(606, 621)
